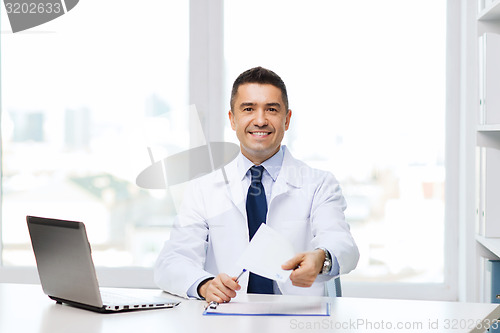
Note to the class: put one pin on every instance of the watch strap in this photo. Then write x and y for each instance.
(327, 264)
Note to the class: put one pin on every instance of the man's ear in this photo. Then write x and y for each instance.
(287, 119)
(231, 119)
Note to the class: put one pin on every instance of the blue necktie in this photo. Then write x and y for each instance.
(256, 215)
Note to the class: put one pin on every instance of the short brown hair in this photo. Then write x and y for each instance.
(262, 76)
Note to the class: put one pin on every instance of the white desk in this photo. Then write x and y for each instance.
(24, 308)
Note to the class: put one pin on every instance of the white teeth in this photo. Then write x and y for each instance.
(260, 133)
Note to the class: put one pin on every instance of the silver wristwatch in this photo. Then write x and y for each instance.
(327, 264)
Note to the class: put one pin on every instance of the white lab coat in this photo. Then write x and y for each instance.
(306, 205)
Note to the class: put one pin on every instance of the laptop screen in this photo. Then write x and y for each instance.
(64, 260)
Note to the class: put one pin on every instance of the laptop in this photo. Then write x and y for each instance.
(67, 273)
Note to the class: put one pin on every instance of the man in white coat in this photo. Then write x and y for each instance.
(305, 205)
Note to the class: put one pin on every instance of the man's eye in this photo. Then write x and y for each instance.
(247, 109)
(273, 109)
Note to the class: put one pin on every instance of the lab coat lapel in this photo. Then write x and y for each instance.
(280, 187)
(288, 178)
(235, 187)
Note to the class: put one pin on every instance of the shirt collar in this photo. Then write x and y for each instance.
(272, 164)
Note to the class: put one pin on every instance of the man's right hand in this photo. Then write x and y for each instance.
(220, 289)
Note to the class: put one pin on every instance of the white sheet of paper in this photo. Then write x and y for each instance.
(265, 254)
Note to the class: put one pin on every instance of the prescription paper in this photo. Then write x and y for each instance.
(265, 254)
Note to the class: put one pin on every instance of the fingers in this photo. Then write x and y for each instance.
(303, 276)
(294, 262)
(221, 289)
(305, 268)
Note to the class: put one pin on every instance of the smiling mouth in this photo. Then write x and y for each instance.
(260, 134)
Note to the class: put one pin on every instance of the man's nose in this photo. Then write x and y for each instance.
(260, 118)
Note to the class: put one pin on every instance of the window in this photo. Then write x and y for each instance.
(366, 84)
(83, 98)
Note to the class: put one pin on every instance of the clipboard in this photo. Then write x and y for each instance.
(268, 309)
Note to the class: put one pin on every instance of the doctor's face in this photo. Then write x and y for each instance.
(260, 120)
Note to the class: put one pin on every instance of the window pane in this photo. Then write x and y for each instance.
(366, 84)
(83, 97)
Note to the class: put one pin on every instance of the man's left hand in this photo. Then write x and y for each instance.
(306, 267)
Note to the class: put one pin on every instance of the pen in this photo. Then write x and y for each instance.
(213, 304)
(243, 271)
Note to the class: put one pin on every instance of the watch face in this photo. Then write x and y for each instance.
(327, 266)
